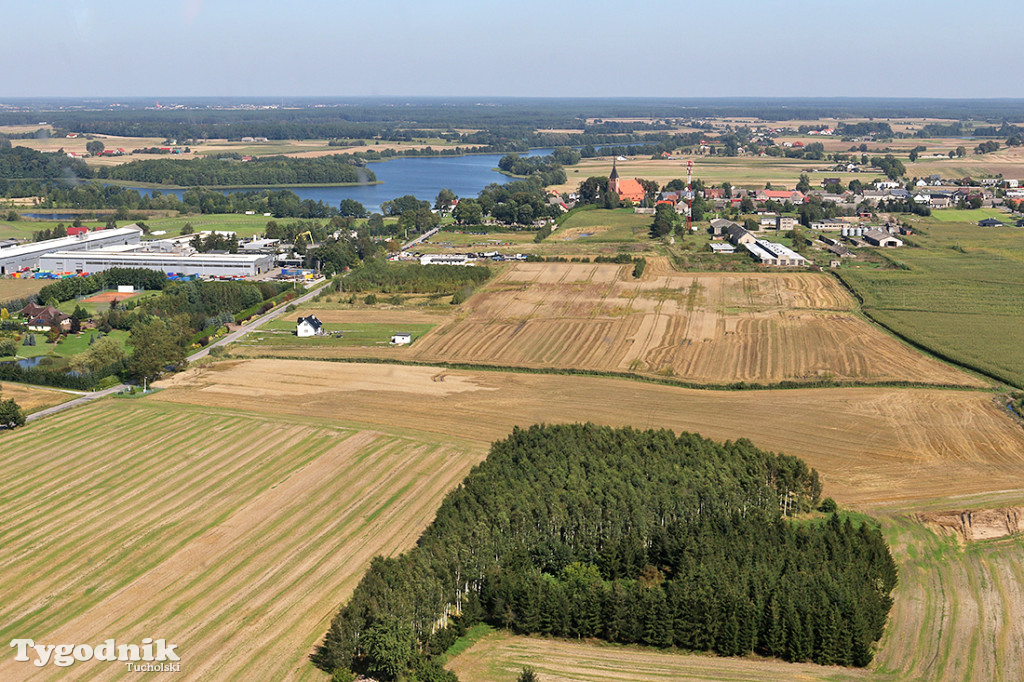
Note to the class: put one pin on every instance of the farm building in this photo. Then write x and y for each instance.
(445, 259)
(309, 326)
(18, 258)
(722, 247)
(879, 238)
(739, 235)
(771, 253)
(401, 339)
(720, 227)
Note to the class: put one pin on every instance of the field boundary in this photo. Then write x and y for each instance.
(666, 381)
(917, 345)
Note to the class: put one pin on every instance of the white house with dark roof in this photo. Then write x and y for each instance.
(308, 326)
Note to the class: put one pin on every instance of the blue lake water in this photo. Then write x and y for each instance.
(423, 177)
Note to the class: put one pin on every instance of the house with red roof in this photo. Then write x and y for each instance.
(628, 190)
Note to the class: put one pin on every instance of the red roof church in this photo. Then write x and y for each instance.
(628, 190)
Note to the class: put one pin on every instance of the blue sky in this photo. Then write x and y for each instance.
(116, 48)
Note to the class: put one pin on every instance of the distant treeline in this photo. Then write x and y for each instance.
(21, 162)
(369, 118)
(281, 203)
(413, 278)
(271, 170)
(630, 536)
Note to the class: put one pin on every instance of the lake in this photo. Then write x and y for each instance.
(423, 177)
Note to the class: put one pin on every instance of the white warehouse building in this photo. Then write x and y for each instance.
(17, 258)
(203, 264)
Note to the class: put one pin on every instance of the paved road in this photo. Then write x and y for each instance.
(233, 336)
(75, 403)
(245, 329)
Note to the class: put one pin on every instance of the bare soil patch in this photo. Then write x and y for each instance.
(977, 524)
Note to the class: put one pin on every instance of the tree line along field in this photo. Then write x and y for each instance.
(962, 294)
(236, 535)
(703, 328)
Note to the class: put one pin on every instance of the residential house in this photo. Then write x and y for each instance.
(990, 222)
(309, 326)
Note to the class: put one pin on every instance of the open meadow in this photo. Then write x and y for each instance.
(11, 289)
(234, 535)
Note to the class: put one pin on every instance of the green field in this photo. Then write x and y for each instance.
(70, 345)
(282, 333)
(962, 295)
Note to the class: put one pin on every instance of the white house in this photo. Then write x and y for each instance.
(308, 326)
(401, 339)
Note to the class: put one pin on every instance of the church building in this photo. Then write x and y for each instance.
(628, 190)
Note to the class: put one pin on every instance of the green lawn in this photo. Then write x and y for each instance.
(958, 215)
(70, 345)
(282, 332)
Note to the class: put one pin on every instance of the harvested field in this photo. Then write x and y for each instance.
(873, 446)
(705, 328)
(234, 535)
(959, 609)
(500, 657)
(18, 288)
(32, 399)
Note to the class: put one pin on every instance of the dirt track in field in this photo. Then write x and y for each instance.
(872, 445)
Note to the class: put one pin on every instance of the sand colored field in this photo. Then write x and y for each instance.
(32, 399)
(706, 328)
(11, 288)
(873, 446)
(236, 536)
(500, 657)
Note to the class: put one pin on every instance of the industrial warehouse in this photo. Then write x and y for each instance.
(27, 256)
(123, 248)
(204, 264)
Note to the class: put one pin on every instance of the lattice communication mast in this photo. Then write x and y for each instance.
(689, 196)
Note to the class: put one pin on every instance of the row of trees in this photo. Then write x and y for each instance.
(413, 278)
(632, 536)
(271, 170)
